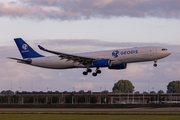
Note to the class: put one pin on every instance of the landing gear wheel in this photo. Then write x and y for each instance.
(155, 65)
(94, 74)
(89, 70)
(85, 73)
(98, 71)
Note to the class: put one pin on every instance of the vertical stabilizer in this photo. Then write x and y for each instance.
(25, 50)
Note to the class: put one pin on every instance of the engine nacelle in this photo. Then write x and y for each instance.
(101, 63)
(120, 66)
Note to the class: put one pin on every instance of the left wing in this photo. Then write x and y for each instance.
(76, 58)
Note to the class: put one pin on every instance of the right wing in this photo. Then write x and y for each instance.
(76, 58)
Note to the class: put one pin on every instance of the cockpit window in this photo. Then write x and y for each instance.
(164, 49)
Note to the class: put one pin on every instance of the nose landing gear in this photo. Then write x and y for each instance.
(155, 65)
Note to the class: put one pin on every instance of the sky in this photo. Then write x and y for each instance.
(75, 26)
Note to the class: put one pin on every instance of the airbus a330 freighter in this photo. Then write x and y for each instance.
(113, 59)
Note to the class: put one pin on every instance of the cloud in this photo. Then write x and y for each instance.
(86, 9)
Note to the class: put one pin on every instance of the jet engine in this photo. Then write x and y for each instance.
(101, 63)
(119, 66)
(107, 63)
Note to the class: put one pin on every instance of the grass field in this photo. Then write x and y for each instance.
(90, 111)
(89, 114)
(86, 117)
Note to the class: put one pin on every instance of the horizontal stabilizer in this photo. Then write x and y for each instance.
(28, 61)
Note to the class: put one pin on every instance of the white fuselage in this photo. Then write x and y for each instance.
(120, 56)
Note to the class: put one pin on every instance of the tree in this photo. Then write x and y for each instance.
(17, 92)
(89, 91)
(173, 87)
(81, 91)
(49, 91)
(152, 92)
(7, 92)
(145, 92)
(123, 86)
(137, 92)
(105, 91)
(56, 91)
(65, 91)
(160, 91)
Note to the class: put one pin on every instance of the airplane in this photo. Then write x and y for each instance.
(113, 59)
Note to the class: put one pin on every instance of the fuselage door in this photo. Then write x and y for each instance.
(153, 53)
(154, 50)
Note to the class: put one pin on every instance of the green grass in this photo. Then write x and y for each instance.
(86, 117)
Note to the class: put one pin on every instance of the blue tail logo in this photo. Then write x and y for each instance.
(25, 50)
(24, 46)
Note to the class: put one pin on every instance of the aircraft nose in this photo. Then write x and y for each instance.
(169, 52)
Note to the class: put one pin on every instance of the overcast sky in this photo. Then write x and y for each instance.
(75, 26)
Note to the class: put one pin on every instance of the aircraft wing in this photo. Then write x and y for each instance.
(76, 58)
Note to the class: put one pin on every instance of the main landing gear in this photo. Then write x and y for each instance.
(97, 72)
(87, 71)
(155, 65)
(93, 74)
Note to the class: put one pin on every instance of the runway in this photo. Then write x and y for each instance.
(129, 111)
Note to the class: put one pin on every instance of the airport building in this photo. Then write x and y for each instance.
(89, 98)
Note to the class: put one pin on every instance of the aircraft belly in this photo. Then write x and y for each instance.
(54, 63)
(59, 65)
(145, 57)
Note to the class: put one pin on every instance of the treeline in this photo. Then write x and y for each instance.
(122, 86)
(125, 86)
(9, 92)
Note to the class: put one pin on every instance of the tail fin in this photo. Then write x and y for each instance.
(25, 50)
